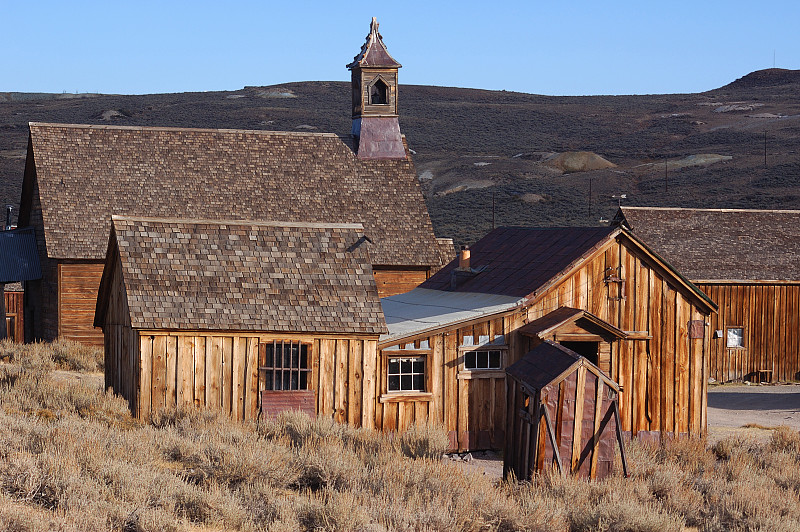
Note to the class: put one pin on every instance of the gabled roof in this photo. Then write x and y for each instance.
(563, 315)
(87, 173)
(19, 257)
(548, 363)
(243, 276)
(516, 261)
(721, 244)
(373, 52)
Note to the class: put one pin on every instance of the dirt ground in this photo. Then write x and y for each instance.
(733, 409)
(752, 410)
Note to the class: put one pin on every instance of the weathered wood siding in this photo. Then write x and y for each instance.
(220, 370)
(580, 408)
(393, 281)
(14, 316)
(78, 284)
(662, 373)
(770, 317)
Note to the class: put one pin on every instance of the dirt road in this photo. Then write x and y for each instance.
(752, 410)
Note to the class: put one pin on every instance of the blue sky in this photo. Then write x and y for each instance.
(554, 47)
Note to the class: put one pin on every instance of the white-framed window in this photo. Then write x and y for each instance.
(485, 358)
(406, 374)
(735, 337)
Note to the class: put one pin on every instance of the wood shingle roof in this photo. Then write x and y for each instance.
(87, 173)
(721, 244)
(243, 276)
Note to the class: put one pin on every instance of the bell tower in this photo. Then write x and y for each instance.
(374, 84)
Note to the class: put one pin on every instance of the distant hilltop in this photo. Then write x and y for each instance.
(769, 77)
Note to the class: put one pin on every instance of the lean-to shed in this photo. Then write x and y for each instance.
(19, 262)
(562, 410)
(748, 262)
(599, 290)
(247, 317)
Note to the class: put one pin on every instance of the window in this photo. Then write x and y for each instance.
(735, 337)
(406, 374)
(483, 359)
(378, 93)
(284, 365)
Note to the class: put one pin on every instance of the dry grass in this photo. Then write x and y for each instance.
(71, 458)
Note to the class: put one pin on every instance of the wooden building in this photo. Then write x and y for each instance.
(562, 410)
(451, 339)
(748, 262)
(19, 263)
(241, 316)
(77, 176)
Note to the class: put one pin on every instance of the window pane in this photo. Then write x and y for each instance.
(286, 381)
(405, 382)
(295, 356)
(494, 359)
(735, 337)
(303, 381)
(394, 366)
(304, 357)
(469, 360)
(268, 363)
(287, 355)
(419, 365)
(394, 383)
(419, 382)
(268, 381)
(406, 365)
(483, 359)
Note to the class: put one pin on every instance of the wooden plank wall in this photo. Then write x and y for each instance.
(14, 316)
(770, 316)
(398, 281)
(585, 431)
(663, 374)
(220, 371)
(78, 284)
(471, 406)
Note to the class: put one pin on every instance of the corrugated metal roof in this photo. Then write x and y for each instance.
(19, 258)
(423, 309)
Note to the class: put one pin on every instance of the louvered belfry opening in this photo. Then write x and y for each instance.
(284, 365)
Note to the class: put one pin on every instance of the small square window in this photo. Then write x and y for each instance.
(483, 359)
(406, 375)
(735, 337)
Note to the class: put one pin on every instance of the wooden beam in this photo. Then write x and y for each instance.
(577, 424)
(598, 410)
(620, 440)
(551, 434)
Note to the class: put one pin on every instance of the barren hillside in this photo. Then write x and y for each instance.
(476, 148)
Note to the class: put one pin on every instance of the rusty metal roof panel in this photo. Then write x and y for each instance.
(516, 261)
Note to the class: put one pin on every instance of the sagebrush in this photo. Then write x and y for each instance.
(72, 458)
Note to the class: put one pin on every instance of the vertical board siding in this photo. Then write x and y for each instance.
(15, 328)
(770, 315)
(77, 297)
(155, 370)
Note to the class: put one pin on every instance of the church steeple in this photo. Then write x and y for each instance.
(374, 85)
